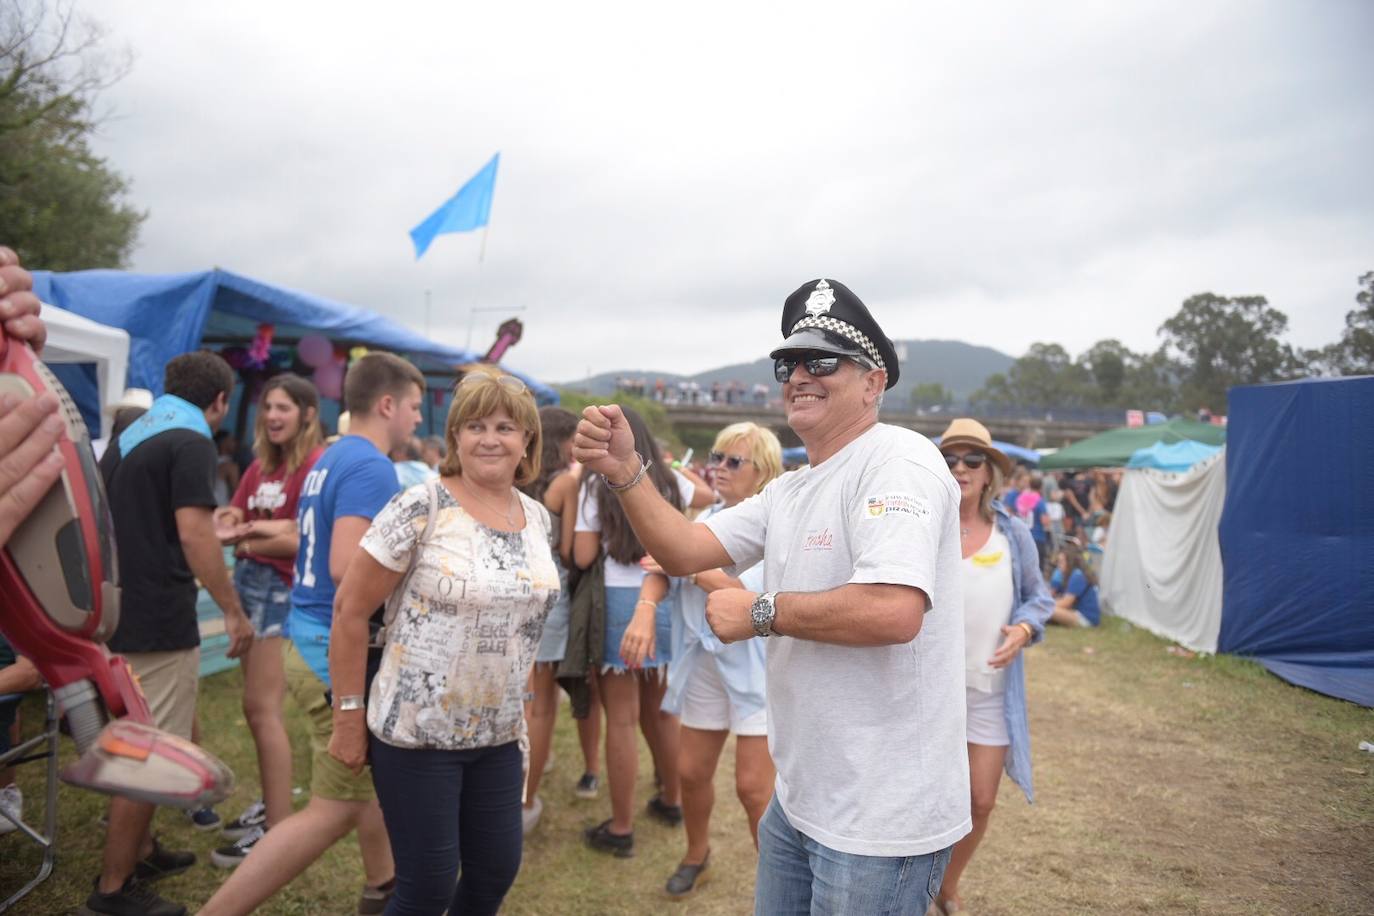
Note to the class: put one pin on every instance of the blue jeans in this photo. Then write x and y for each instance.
(797, 875)
(265, 597)
(450, 812)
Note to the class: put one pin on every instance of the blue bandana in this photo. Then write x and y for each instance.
(167, 412)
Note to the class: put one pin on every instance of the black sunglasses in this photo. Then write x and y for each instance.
(818, 364)
(972, 460)
(733, 462)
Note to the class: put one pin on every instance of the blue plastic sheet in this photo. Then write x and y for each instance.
(1172, 456)
(1297, 533)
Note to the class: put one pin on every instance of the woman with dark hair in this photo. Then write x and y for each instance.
(1005, 608)
(556, 487)
(1074, 588)
(260, 521)
(638, 616)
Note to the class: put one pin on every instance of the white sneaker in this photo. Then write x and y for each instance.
(11, 808)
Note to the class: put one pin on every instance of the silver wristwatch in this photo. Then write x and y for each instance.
(762, 612)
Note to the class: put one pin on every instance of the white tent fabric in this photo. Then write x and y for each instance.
(74, 339)
(1162, 567)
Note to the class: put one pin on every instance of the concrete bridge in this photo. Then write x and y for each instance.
(1039, 432)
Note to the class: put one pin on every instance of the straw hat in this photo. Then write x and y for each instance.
(967, 431)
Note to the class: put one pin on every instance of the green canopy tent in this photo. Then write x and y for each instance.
(1114, 448)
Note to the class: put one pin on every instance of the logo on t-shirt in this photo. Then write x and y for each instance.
(819, 540)
(897, 504)
(269, 497)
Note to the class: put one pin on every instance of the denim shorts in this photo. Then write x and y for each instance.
(620, 610)
(266, 599)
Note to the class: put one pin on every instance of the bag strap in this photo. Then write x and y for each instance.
(393, 601)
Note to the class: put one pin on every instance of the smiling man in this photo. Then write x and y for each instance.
(862, 609)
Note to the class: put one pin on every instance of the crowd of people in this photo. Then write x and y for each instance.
(728, 393)
(858, 624)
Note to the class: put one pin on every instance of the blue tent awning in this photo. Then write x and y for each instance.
(170, 314)
(1172, 456)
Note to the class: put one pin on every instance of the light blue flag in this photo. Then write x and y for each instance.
(469, 209)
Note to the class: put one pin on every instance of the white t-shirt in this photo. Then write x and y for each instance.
(869, 742)
(460, 648)
(987, 608)
(621, 575)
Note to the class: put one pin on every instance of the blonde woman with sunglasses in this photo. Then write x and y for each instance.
(1005, 609)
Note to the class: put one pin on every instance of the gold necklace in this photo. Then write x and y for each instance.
(509, 513)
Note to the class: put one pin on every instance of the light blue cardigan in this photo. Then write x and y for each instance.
(1032, 605)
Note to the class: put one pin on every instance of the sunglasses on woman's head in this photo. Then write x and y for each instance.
(508, 382)
(818, 364)
(733, 462)
(972, 460)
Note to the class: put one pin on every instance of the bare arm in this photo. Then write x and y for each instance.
(562, 498)
(702, 495)
(605, 444)
(21, 677)
(715, 579)
(851, 615)
(639, 640)
(272, 538)
(365, 585)
(348, 534)
(205, 556)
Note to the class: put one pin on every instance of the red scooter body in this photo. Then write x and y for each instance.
(59, 600)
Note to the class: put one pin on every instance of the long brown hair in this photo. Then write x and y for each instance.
(308, 437)
(557, 426)
(617, 537)
(1074, 555)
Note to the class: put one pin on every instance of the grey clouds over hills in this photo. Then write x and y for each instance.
(959, 366)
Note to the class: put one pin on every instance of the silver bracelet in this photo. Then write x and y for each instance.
(643, 469)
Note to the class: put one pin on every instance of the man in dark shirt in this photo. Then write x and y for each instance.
(159, 475)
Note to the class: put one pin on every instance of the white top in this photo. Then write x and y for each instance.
(621, 575)
(465, 635)
(869, 742)
(987, 608)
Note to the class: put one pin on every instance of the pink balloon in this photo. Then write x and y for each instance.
(329, 380)
(315, 350)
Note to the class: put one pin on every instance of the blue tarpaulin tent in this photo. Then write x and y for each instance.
(1297, 533)
(170, 314)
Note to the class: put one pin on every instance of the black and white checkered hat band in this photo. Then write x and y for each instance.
(845, 330)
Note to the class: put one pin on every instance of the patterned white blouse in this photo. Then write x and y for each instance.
(465, 634)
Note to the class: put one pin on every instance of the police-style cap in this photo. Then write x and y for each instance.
(824, 316)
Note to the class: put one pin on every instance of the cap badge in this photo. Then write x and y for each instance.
(820, 300)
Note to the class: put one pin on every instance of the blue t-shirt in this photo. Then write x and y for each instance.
(1084, 591)
(352, 477)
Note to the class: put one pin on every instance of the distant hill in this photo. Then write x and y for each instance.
(962, 368)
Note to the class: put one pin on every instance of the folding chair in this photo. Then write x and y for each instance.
(26, 752)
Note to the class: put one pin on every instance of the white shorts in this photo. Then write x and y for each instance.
(987, 721)
(706, 703)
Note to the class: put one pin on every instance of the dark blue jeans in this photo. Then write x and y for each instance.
(454, 822)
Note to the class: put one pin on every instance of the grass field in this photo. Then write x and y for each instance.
(1164, 785)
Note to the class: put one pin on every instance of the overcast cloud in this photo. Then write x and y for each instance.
(998, 173)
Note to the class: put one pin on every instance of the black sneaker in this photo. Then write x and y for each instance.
(230, 856)
(163, 863)
(586, 786)
(255, 815)
(601, 839)
(687, 879)
(668, 815)
(133, 899)
(204, 819)
(374, 899)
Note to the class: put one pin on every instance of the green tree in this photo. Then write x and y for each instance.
(930, 394)
(61, 206)
(1353, 354)
(1045, 377)
(1214, 343)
